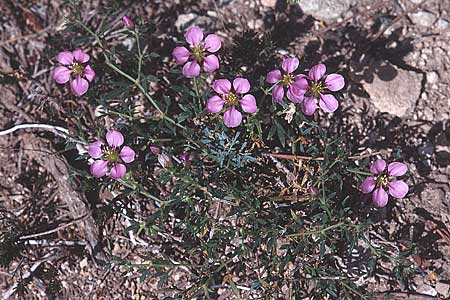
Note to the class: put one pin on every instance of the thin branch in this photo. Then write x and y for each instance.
(59, 131)
(301, 157)
(25, 237)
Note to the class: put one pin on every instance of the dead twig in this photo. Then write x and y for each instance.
(76, 220)
(301, 157)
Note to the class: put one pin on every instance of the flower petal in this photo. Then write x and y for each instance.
(65, 58)
(194, 36)
(222, 86)
(95, 149)
(328, 103)
(241, 85)
(309, 106)
(99, 168)
(79, 86)
(378, 166)
(127, 154)
(118, 171)
(89, 73)
(397, 169)
(334, 82)
(61, 74)
(232, 117)
(368, 185)
(273, 76)
(380, 197)
(210, 63)
(301, 83)
(215, 104)
(295, 94)
(212, 43)
(114, 138)
(290, 64)
(248, 104)
(398, 189)
(181, 54)
(317, 72)
(191, 69)
(278, 93)
(80, 56)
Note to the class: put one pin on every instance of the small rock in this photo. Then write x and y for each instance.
(269, 3)
(184, 20)
(423, 18)
(325, 10)
(443, 289)
(432, 77)
(442, 24)
(394, 90)
(425, 289)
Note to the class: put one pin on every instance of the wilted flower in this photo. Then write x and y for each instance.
(72, 69)
(127, 22)
(164, 160)
(319, 85)
(109, 155)
(397, 188)
(155, 149)
(296, 85)
(232, 117)
(198, 53)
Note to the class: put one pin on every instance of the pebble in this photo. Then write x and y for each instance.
(432, 77)
(394, 90)
(443, 289)
(423, 18)
(425, 289)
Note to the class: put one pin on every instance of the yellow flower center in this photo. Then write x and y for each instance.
(77, 69)
(317, 88)
(198, 52)
(232, 99)
(382, 180)
(287, 79)
(110, 154)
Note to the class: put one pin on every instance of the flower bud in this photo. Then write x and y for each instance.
(127, 22)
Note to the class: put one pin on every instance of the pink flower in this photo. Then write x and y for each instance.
(199, 53)
(296, 85)
(319, 85)
(232, 117)
(72, 69)
(397, 188)
(109, 155)
(127, 22)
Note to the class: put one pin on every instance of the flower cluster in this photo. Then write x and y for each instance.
(378, 184)
(305, 89)
(73, 70)
(310, 91)
(109, 156)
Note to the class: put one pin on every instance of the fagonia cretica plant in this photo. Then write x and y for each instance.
(199, 154)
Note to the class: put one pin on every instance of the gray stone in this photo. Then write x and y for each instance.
(269, 3)
(394, 90)
(443, 289)
(325, 10)
(442, 24)
(185, 21)
(425, 289)
(423, 18)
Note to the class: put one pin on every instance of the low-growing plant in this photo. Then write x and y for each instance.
(231, 177)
